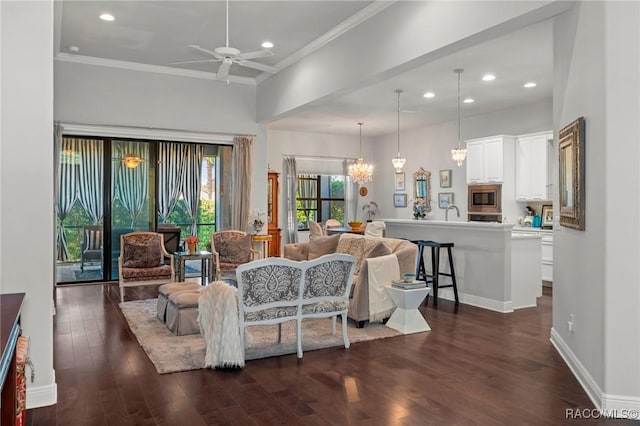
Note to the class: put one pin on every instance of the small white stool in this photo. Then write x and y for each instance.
(407, 318)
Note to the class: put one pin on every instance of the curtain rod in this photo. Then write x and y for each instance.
(317, 157)
(161, 129)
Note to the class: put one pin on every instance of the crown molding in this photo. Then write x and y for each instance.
(158, 69)
(346, 25)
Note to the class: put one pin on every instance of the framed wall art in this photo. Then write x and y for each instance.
(547, 216)
(571, 174)
(445, 199)
(399, 200)
(400, 184)
(445, 178)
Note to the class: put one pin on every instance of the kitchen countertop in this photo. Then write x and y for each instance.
(453, 223)
(531, 229)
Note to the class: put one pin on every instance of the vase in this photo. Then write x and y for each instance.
(191, 247)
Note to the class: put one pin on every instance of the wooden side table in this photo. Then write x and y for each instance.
(208, 270)
(265, 243)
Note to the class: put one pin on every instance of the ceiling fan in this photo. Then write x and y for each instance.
(230, 55)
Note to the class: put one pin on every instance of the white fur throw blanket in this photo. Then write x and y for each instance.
(382, 270)
(219, 324)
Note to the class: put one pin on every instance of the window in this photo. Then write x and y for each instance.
(319, 198)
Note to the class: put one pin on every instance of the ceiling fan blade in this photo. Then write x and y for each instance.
(207, 51)
(255, 54)
(223, 70)
(194, 62)
(258, 66)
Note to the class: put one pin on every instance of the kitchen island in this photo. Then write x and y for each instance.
(495, 269)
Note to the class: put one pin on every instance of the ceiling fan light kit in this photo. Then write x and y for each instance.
(132, 161)
(459, 153)
(398, 161)
(228, 56)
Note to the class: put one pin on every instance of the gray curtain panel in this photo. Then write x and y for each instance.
(192, 183)
(241, 182)
(132, 186)
(171, 165)
(90, 178)
(67, 188)
(290, 189)
(350, 195)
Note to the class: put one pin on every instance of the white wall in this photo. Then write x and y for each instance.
(381, 47)
(596, 276)
(91, 94)
(430, 148)
(26, 175)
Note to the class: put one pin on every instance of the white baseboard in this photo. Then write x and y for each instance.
(480, 302)
(619, 406)
(42, 396)
(585, 379)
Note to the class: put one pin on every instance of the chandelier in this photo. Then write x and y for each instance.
(360, 171)
(458, 154)
(398, 161)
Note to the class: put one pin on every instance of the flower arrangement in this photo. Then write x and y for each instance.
(192, 240)
(419, 208)
(370, 209)
(257, 219)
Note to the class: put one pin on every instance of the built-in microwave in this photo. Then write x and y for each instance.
(485, 199)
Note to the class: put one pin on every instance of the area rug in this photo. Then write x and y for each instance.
(170, 353)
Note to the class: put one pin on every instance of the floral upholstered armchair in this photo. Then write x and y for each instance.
(143, 261)
(231, 249)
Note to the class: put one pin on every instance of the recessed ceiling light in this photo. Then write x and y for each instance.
(468, 100)
(530, 84)
(267, 45)
(107, 17)
(429, 95)
(488, 77)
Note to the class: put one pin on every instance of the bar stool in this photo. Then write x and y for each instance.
(421, 272)
(435, 267)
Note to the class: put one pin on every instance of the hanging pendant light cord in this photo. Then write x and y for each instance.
(459, 72)
(360, 124)
(398, 92)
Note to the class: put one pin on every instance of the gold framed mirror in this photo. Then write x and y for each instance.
(422, 187)
(571, 174)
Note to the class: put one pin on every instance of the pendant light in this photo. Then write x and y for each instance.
(360, 171)
(458, 154)
(398, 161)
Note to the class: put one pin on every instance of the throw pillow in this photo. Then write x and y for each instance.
(296, 251)
(320, 246)
(142, 254)
(380, 249)
(358, 247)
(235, 250)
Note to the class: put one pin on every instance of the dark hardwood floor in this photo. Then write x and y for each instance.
(474, 367)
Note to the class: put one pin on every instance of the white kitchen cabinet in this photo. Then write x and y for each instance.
(531, 166)
(546, 249)
(547, 257)
(485, 159)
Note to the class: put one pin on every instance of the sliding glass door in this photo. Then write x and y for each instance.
(132, 190)
(108, 187)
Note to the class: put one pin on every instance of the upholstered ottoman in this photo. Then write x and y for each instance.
(182, 313)
(167, 289)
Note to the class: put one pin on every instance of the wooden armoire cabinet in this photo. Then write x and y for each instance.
(272, 214)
